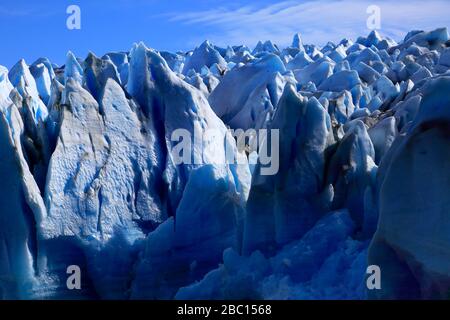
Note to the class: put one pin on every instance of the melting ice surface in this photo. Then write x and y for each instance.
(89, 177)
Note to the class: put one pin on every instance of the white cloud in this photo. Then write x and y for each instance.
(318, 21)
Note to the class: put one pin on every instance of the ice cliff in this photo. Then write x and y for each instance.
(90, 170)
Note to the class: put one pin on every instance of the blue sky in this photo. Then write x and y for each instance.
(32, 29)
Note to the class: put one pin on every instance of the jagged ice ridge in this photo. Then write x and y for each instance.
(88, 177)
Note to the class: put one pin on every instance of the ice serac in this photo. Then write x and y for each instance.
(21, 207)
(174, 60)
(132, 178)
(425, 38)
(412, 240)
(284, 206)
(342, 80)
(207, 197)
(97, 72)
(352, 170)
(316, 72)
(265, 47)
(43, 73)
(81, 152)
(297, 42)
(205, 55)
(367, 73)
(25, 84)
(120, 61)
(382, 136)
(92, 193)
(256, 88)
(300, 61)
(33, 114)
(73, 69)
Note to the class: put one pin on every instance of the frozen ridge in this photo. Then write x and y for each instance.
(89, 176)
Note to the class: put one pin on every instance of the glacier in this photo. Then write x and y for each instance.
(360, 129)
